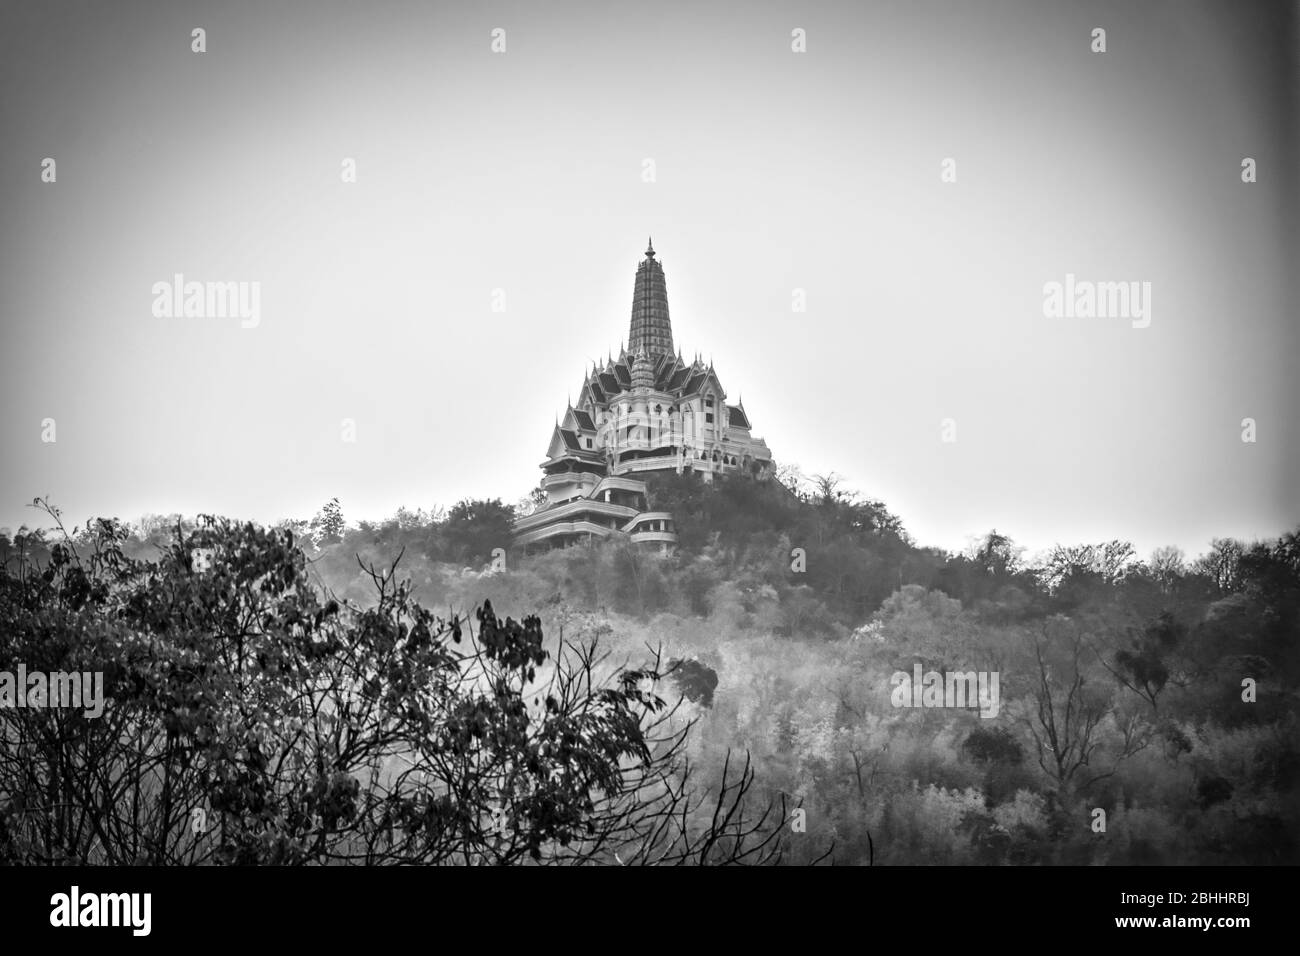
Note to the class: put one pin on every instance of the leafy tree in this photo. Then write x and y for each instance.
(408, 520)
(304, 731)
(475, 528)
(1144, 665)
(1073, 565)
(997, 554)
(328, 525)
(697, 680)
(995, 745)
(535, 501)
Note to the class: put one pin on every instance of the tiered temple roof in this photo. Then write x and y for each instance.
(670, 374)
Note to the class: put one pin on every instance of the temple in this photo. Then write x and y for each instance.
(646, 411)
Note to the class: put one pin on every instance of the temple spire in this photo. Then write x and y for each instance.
(651, 328)
(643, 376)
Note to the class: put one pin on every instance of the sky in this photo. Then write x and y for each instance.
(450, 300)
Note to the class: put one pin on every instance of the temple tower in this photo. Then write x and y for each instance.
(651, 328)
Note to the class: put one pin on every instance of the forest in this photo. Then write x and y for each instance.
(729, 702)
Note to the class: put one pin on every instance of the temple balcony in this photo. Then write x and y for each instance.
(659, 521)
(664, 440)
(662, 538)
(560, 531)
(657, 463)
(569, 478)
(617, 483)
(571, 510)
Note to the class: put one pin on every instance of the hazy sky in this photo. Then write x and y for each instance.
(523, 171)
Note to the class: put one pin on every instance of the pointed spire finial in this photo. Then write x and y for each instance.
(650, 249)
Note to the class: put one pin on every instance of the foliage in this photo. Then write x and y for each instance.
(1121, 680)
(301, 730)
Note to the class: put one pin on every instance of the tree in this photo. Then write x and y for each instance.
(1068, 711)
(1106, 563)
(534, 501)
(328, 525)
(792, 479)
(987, 746)
(1221, 562)
(829, 491)
(475, 528)
(872, 517)
(408, 520)
(1144, 665)
(1166, 566)
(997, 554)
(253, 719)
